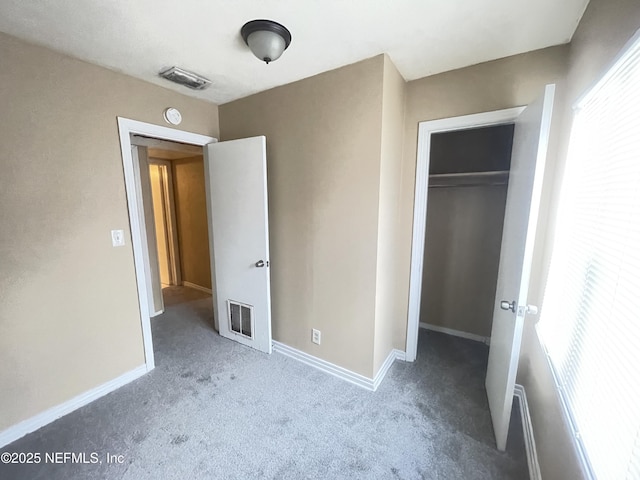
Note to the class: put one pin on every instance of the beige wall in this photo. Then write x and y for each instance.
(461, 257)
(68, 299)
(389, 327)
(334, 148)
(191, 218)
(604, 29)
(323, 160)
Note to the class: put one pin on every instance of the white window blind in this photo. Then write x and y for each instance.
(590, 321)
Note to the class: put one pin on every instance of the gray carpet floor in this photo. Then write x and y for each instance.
(213, 409)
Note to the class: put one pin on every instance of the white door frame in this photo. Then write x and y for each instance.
(126, 128)
(148, 233)
(425, 129)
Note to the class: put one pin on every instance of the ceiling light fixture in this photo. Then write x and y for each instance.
(266, 39)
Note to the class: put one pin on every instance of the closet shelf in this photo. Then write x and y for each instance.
(469, 179)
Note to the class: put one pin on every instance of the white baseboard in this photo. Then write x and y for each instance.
(527, 430)
(32, 424)
(456, 333)
(197, 287)
(394, 355)
(337, 371)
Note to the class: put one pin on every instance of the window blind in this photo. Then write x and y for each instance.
(590, 320)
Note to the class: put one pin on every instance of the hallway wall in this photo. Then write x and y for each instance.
(191, 218)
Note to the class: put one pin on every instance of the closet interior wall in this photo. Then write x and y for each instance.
(468, 176)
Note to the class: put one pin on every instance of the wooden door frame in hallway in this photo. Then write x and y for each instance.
(126, 128)
(169, 219)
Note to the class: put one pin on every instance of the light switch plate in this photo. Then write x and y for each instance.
(117, 238)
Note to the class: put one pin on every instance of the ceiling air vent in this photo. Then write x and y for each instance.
(183, 77)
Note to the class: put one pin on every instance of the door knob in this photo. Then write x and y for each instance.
(504, 305)
(262, 263)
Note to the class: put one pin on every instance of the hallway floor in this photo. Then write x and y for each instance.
(215, 409)
(175, 295)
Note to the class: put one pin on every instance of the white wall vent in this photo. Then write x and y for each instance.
(240, 318)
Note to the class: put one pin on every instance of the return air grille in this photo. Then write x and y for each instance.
(186, 78)
(240, 318)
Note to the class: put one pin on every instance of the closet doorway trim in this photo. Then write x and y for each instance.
(425, 129)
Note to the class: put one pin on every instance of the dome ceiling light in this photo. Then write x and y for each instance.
(266, 39)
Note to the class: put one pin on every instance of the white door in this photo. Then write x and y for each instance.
(530, 141)
(236, 179)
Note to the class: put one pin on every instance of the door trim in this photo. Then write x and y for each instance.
(148, 233)
(127, 127)
(425, 129)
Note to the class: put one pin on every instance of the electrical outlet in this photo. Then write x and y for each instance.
(117, 238)
(315, 336)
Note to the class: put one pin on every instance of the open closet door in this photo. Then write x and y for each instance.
(530, 141)
(236, 181)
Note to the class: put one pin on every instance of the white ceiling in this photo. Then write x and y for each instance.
(422, 37)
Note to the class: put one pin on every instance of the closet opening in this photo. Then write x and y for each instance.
(467, 192)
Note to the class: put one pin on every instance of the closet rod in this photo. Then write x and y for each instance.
(480, 184)
(485, 174)
(469, 179)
